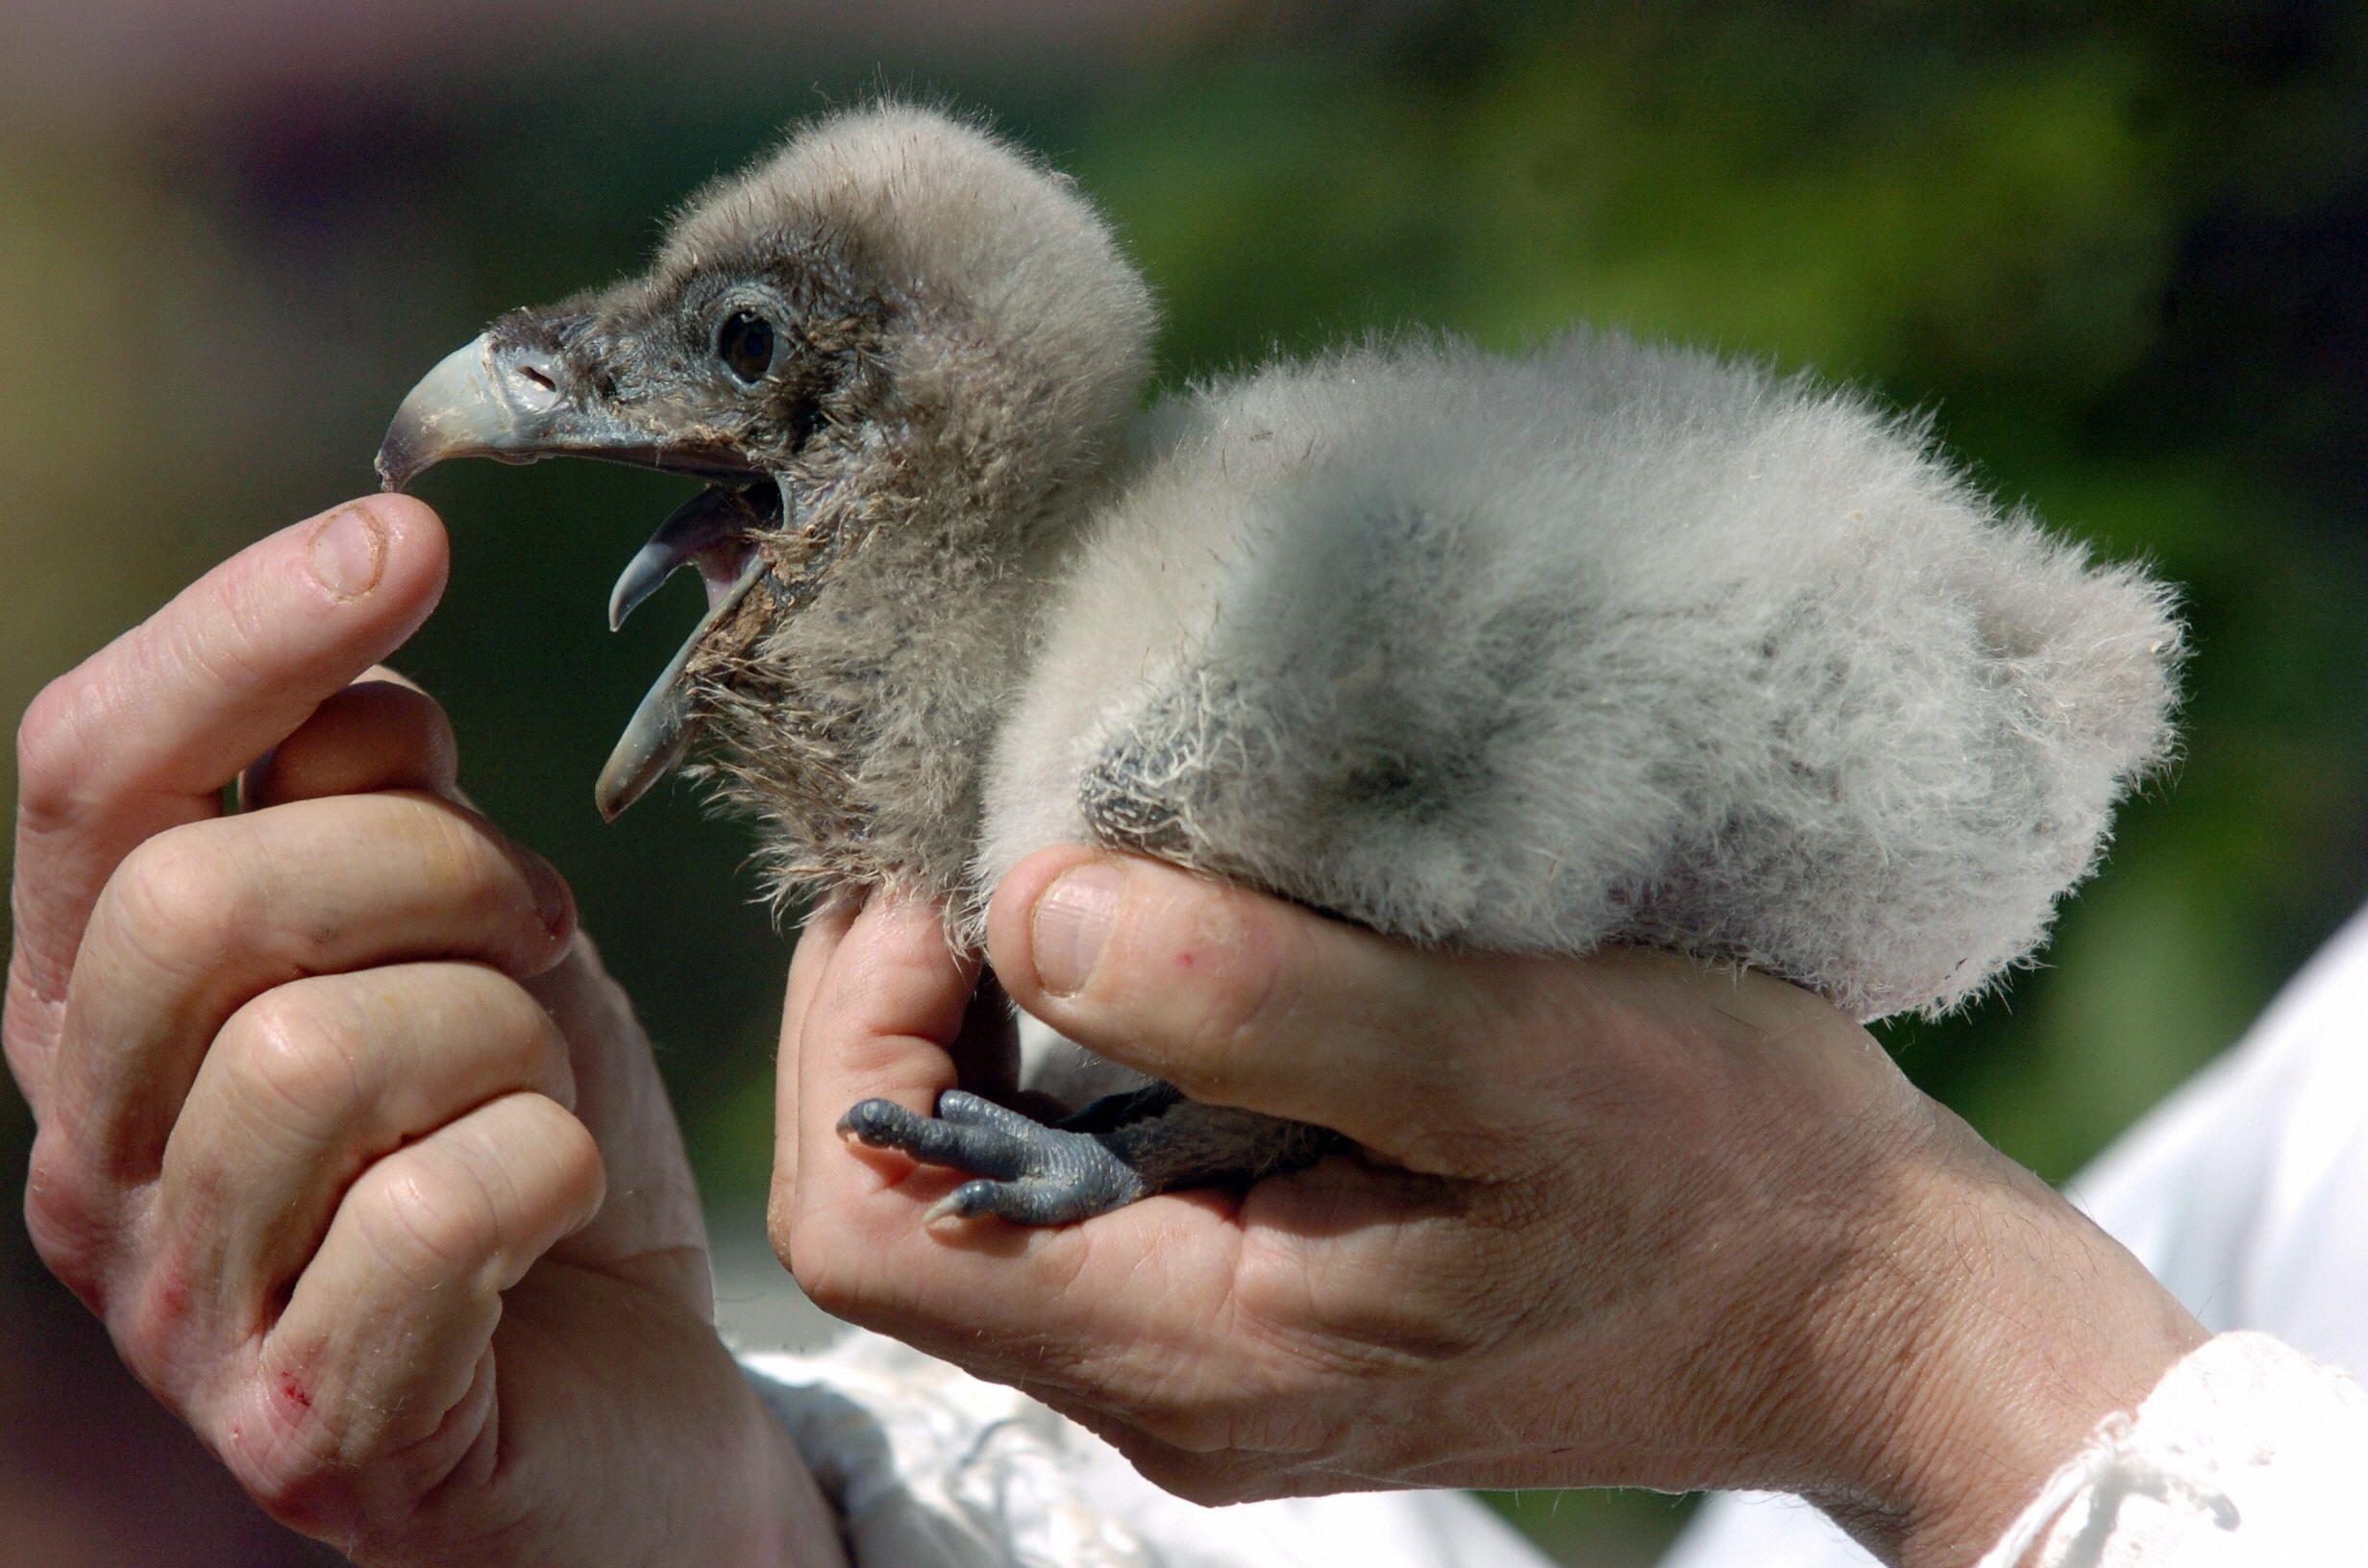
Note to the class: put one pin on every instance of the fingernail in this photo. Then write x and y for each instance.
(348, 551)
(551, 899)
(1072, 926)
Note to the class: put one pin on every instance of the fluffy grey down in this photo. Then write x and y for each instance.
(1608, 643)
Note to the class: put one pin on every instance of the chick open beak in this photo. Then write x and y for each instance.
(512, 403)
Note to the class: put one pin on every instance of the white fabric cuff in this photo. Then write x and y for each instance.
(2247, 1454)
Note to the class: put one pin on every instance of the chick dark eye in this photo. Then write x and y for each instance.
(745, 345)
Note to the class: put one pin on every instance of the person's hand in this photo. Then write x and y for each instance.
(342, 1129)
(1626, 1220)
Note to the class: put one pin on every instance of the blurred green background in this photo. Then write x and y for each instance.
(2124, 260)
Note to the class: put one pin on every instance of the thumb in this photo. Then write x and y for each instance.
(1241, 999)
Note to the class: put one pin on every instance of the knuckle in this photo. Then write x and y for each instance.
(1221, 1487)
(1254, 1418)
(51, 749)
(294, 1048)
(1180, 1475)
(454, 840)
(179, 899)
(65, 1218)
(462, 1210)
(155, 1327)
(427, 1215)
(228, 647)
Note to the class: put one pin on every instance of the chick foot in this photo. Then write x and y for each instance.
(1117, 1149)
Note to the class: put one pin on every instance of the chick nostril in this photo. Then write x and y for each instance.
(533, 383)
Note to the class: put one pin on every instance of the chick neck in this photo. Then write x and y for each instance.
(858, 727)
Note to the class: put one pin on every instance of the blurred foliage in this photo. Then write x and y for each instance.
(2119, 257)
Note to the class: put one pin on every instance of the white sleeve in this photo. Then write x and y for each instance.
(2247, 1455)
(932, 1468)
(2246, 1195)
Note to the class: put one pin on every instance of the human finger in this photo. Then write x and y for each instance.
(825, 930)
(143, 736)
(311, 1083)
(1242, 999)
(388, 1328)
(895, 1003)
(198, 920)
(379, 733)
(384, 733)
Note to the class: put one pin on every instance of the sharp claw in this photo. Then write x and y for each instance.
(964, 1202)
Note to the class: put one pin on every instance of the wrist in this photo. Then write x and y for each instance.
(1990, 1329)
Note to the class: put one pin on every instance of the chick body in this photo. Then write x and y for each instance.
(1604, 643)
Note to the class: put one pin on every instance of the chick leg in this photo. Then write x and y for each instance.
(1117, 1149)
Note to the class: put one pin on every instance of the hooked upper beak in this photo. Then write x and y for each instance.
(511, 401)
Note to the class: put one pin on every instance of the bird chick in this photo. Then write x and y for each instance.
(1607, 643)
